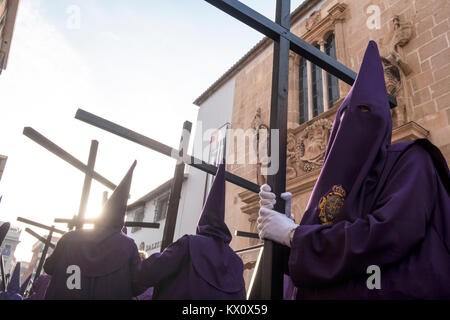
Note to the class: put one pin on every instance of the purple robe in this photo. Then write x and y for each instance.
(39, 287)
(13, 288)
(147, 295)
(374, 204)
(108, 262)
(201, 266)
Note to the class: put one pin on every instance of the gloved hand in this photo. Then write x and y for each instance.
(267, 198)
(273, 225)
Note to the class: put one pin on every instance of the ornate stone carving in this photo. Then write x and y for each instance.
(313, 144)
(391, 76)
(313, 19)
(293, 157)
(402, 33)
(393, 61)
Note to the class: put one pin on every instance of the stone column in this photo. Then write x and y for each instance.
(310, 94)
(294, 94)
(324, 81)
(341, 55)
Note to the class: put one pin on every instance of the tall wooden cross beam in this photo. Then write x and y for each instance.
(38, 237)
(47, 242)
(175, 191)
(130, 224)
(154, 145)
(2, 270)
(88, 170)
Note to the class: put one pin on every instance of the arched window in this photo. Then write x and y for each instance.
(333, 86)
(314, 86)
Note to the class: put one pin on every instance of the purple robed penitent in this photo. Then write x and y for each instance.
(374, 204)
(13, 288)
(39, 287)
(201, 266)
(106, 257)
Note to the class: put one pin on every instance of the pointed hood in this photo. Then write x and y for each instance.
(24, 285)
(113, 213)
(212, 219)
(356, 150)
(4, 228)
(210, 254)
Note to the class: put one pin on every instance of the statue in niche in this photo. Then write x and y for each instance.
(262, 141)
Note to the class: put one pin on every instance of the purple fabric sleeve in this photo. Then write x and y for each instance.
(135, 262)
(159, 266)
(323, 254)
(52, 261)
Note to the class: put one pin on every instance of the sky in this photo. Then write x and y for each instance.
(139, 63)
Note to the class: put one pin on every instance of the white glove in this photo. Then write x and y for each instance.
(273, 225)
(267, 198)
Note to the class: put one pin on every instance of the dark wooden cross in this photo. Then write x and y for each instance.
(88, 170)
(2, 270)
(175, 190)
(47, 242)
(79, 220)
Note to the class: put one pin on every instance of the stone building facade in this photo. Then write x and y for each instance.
(413, 39)
(8, 12)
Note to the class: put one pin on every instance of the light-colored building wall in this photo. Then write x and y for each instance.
(8, 12)
(3, 160)
(8, 247)
(37, 249)
(214, 113)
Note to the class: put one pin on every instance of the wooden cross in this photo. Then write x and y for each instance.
(47, 242)
(175, 191)
(88, 170)
(40, 238)
(2, 269)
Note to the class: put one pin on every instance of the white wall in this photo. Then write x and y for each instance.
(214, 113)
(150, 237)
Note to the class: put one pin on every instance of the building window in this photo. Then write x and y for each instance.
(6, 250)
(138, 217)
(333, 85)
(161, 208)
(318, 89)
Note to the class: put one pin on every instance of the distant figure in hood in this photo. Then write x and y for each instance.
(39, 287)
(13, 290)
(98, 263)
(201, 266)
(377, 225)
